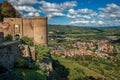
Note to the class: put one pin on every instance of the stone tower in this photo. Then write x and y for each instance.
(40, 30)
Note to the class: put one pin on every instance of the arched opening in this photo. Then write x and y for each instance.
(17, 37)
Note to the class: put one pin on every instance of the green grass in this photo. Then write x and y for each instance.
(30, 74)
(74, 73)
(104, 69)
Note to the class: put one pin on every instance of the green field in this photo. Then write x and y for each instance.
(84, 33)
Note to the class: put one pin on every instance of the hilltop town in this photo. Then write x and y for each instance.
(99, 48)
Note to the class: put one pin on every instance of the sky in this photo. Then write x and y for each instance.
(72, 12)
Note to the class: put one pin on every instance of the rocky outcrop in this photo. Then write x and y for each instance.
(9, 52)
(6, 74)
(1, 37)
(28, 52)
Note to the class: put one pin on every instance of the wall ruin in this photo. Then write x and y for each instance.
(34, 28)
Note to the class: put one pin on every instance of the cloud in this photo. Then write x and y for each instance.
(23, 2)
(81, 13)
(33, 14)
(112, 11)
(106, 16)
(54, 9)
(26, 8)
(83, 22)
(93, 22)
(72, 11)
(100, 22)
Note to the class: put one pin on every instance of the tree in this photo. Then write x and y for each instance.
(27, 41)
(42, 52)
(7, 10)
(8, 37)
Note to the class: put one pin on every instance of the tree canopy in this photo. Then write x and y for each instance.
(7, 10)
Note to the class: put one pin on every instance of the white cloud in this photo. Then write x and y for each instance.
(58, 14)
(30, 14)
(111, 8)
(100, 22)
(93, 22)
(71, 16)
(81, 13)
(101, 15)
(26, 8)
(112, 11)
(83, 22)
(54, 9)
(87, 12)
(23, 2)
(107, 16)
(86, 16)
(72, 11)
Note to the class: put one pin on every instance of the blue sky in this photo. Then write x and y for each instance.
(72, 12)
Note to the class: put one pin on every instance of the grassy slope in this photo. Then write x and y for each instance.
(30, 74)
(72, 65)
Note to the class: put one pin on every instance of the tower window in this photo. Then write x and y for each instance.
(17, 28)
(42, 37)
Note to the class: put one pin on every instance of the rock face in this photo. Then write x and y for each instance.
(9, 52)
(1, 37)
(6, 74)
(28, 52)
(46, 66)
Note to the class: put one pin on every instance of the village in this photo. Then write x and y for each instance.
(99, 48)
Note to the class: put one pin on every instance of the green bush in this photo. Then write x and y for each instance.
(42, 52)
(8, 37)
(34, 65)
(21, 62)
(27, 41)
(17, 37)
(30, 74)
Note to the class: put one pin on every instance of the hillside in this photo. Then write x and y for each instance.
(85, 32)
(69, 62)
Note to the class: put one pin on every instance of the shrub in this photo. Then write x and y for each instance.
(34, 65)
(27, 41)
(17, 37)
(8, 37)
(21, 62)
(42, 52)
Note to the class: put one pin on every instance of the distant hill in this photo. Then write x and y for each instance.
(7, 10)
(85, 32)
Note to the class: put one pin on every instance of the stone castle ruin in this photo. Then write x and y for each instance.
(34, 28)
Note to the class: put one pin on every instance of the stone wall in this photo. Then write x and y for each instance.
(34, 28)
(40, 30)
(9, 52)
